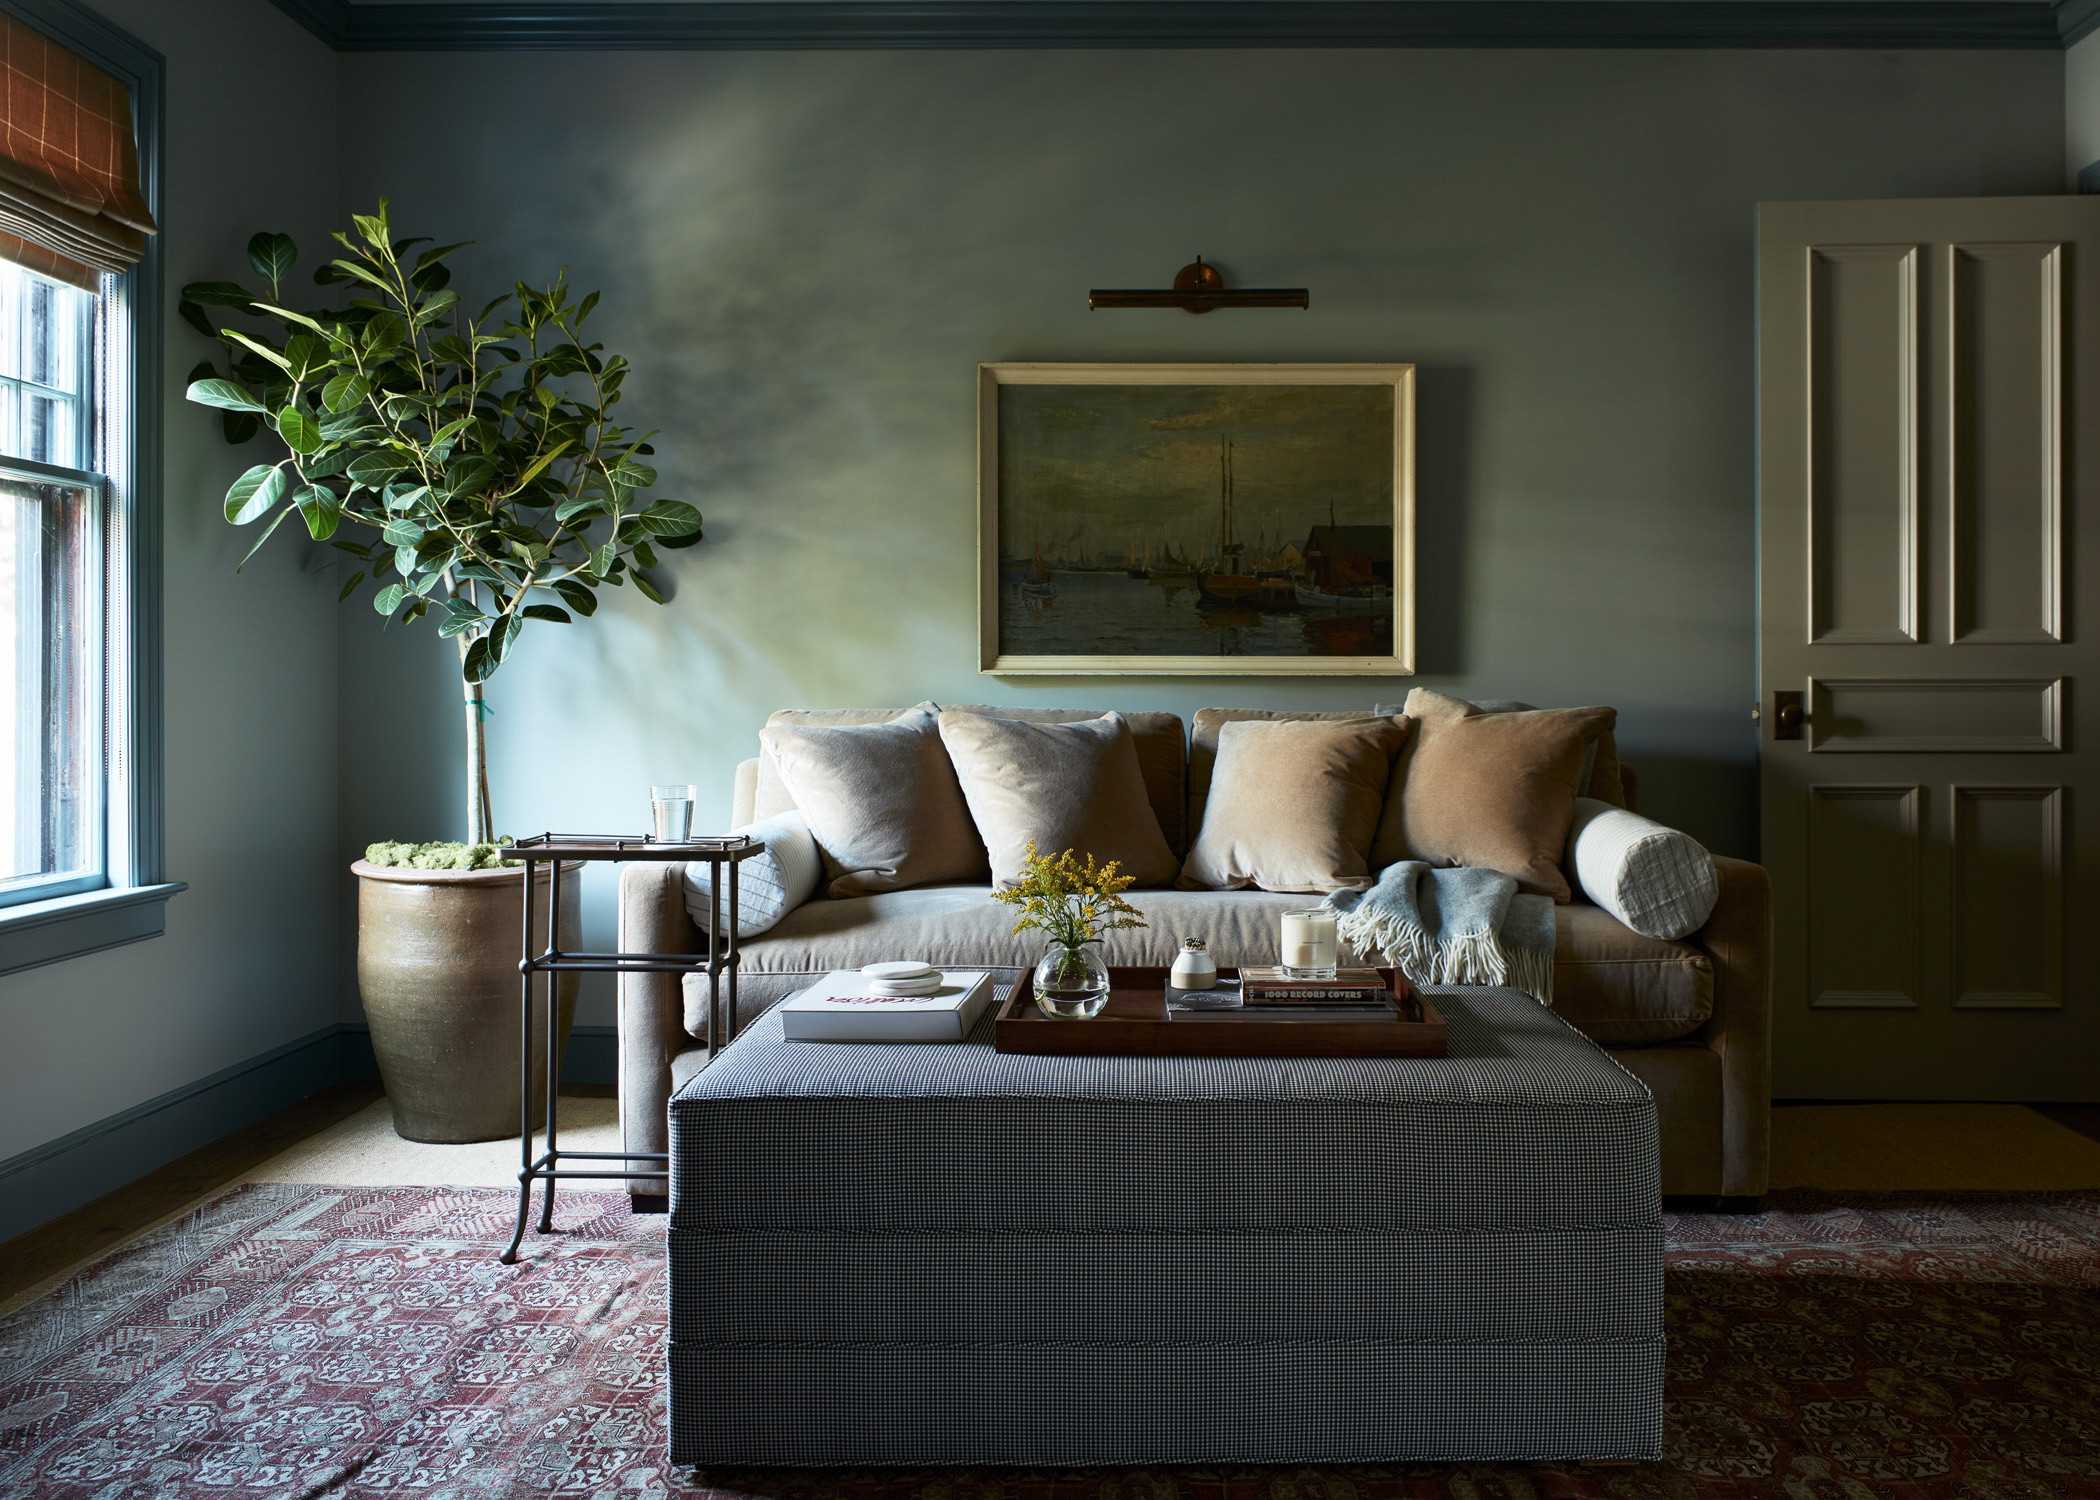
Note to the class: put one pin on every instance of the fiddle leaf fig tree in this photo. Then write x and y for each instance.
(466, 466)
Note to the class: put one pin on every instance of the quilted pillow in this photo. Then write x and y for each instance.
(768, 885)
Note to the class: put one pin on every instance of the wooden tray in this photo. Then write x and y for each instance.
(1137, 1023)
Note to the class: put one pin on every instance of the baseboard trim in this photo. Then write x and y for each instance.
(39, 1184)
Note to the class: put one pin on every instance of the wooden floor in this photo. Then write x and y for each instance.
(42, 1257)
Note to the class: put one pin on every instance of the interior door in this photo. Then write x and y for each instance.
(1925, 370)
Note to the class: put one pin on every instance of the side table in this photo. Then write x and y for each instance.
(719, 959)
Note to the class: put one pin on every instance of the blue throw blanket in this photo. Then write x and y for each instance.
(1458, 926)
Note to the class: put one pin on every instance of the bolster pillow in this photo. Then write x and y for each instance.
(768, 885)
(1659, 882)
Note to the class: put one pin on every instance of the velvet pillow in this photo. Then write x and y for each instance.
(882, 802)
(1063, 786)
(1602, 776)
(1293, 805)
(1490, 790)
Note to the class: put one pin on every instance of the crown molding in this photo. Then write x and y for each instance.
(799, 25)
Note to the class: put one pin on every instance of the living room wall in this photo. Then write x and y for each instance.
(206, 1022)
(806, 255)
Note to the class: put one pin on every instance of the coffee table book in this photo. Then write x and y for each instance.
(1268, 986)
(1137, 1023)
(843, 1007)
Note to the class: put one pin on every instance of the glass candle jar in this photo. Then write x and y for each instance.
(1311, 945)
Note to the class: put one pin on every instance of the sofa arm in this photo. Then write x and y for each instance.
(1738, 938)
(652, 1025)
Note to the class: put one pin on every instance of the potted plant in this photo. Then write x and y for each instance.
(467, 469)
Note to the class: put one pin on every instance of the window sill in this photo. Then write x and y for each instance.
(44, 932)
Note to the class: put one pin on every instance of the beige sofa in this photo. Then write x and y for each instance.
(1691, 1019)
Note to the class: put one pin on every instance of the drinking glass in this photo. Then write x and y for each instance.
(673, 806)
(1311, 945)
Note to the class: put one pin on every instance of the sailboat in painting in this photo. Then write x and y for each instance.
(1229, 584)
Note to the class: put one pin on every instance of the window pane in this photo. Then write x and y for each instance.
(44, 365)
(50, 620)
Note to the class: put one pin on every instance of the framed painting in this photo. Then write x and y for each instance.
(1195, 520)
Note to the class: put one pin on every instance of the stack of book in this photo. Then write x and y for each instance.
(1353, 994)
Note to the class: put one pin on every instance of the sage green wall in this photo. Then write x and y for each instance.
(250, 950)
(2081, 105)
(806, 255)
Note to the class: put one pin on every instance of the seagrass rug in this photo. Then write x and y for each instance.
(296, 1341)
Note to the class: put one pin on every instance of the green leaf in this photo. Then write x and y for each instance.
(291, 317)
(400, 533)
(578, 595)
(375, 468)
(224, 394)
(259, 348)
(538, 464)
(569, 510)
(266, 531)
(388, 599)
(254, 493)
(478, 664)
(298, 430)
(603, 559)
(671, 518)
(644, 555)
(549, 612)
(690, 539)
(218, 294)
(373, 228)
(435, 306)
(437, 253)
(345, 391)
(649, 590)
(352, 269)
(322, 508)
(383, 331)
(239, 426)
(354, 580)
(405, 561)
(273, 256)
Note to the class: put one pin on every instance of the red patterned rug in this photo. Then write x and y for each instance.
(362, 1342)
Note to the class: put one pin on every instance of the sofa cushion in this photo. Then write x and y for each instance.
(1622, 989)
(1494, 791)
(1293, 806)
(882, 802)
(772, 797)
(1162, 750)
(1057, 787)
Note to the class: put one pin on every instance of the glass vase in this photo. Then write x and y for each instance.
(1071, 984)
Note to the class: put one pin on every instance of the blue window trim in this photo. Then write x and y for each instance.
(131, 907)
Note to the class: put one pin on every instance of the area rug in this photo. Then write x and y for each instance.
(293, 1341)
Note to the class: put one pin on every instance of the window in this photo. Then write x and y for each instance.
(80, 857)
(52, 528)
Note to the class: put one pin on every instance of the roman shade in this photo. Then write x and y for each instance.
(70, 202)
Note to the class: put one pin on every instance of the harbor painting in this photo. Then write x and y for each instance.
(1196, 519)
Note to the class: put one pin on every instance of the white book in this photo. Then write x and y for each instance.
(843, 1007)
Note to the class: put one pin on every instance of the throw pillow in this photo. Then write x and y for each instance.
(1490, 790)
(770, 795)
(1602, 776)
(769, 885)
(1162, 742)
(1209, 722)
(1061, 786)
(1659, 882)
(882, 802)
(1293, 804)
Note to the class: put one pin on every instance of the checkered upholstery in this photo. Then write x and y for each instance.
(896, 1254)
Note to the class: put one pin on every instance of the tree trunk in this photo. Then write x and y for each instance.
(481, 825)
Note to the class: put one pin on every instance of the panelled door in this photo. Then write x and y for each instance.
(1929, 525)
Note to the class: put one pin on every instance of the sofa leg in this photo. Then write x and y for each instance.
(652, 1203)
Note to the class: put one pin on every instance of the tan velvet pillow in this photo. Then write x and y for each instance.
(1162, 742)
(1205, 727)
(1490, 790)
(1293, 804)
(1602, 776)
(882, 802)
(1064, 786)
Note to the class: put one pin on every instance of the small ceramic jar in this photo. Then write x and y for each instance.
(1193, 967)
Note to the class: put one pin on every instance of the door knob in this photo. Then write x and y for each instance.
(1787, 716)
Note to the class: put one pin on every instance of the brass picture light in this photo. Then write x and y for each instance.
(1198, 288)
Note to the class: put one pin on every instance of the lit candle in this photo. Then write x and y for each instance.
(1310, 943)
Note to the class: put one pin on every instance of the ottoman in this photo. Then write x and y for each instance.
(942, 1254)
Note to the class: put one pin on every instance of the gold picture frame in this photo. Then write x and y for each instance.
(1246, 519)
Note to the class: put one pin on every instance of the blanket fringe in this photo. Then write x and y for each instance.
(1475, 958)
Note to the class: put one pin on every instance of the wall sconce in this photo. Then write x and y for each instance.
(1199, 288)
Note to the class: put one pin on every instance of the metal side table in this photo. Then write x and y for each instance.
(717, 961)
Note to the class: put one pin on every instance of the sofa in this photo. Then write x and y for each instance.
(1689, 1018)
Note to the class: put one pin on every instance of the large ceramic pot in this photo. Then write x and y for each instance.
(437, 967)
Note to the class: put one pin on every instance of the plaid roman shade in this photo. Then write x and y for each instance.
(70, 204)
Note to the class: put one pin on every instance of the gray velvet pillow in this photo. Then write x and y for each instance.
(1293, 804)
(882, 802)
(1071, 786)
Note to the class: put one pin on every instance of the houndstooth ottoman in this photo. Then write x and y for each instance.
(942, 1254)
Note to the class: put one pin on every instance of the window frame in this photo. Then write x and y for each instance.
(130, 905)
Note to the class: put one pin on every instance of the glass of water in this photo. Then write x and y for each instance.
(673, 806)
